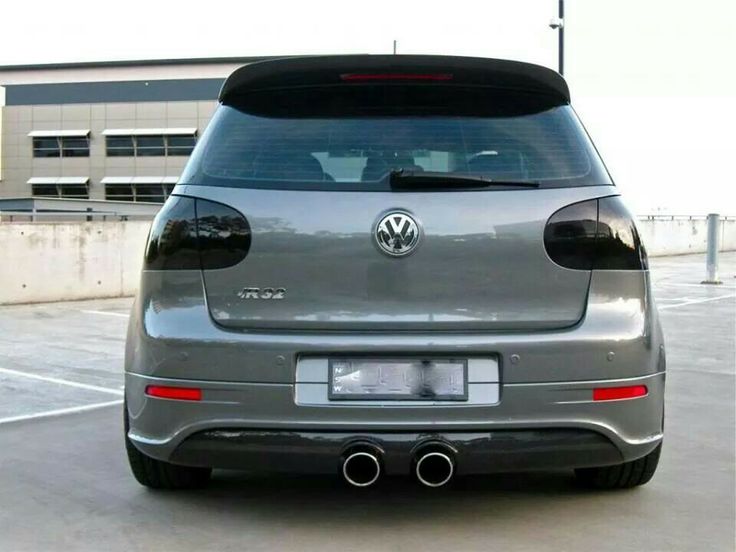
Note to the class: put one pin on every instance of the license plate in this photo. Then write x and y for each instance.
(411, 379)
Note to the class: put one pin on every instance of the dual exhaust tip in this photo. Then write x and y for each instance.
(361, 468)
(433, 465)
(434, 468)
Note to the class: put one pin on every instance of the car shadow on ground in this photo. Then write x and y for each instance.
(329, 500)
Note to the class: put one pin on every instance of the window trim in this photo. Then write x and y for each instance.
(61, 180)
(186, 131)
(82, 133)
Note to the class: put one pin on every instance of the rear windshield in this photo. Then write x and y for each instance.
(352, 140)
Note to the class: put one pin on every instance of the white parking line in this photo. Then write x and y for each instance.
(59, 412)
(696, 301)
(76, 384)
(106, 313)
(701, 286)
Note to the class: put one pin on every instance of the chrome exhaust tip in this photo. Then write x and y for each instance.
(361, 469)
(434, 468)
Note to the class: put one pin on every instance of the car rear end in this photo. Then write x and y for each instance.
(387, 264)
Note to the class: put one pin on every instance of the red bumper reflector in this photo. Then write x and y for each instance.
(396, 76)
(179, 393)
(616, 393)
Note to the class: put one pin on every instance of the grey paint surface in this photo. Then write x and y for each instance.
(177, 320)
(171, 90)
(572, 330)
(480, 263)
(66, 486)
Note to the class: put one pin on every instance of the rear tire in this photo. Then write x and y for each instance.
(622, 476)
(158, 474)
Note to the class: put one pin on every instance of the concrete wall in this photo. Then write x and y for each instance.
(679, 236)
(67, 261)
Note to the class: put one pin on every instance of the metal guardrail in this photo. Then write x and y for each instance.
(117, 216)
(113, 215)
(681, 217)
(46, 209)
(25, 216)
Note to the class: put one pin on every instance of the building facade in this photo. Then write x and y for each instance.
(119, 131)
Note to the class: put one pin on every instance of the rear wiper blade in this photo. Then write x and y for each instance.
(410, 179)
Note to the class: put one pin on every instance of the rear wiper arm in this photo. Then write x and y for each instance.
(410, 179)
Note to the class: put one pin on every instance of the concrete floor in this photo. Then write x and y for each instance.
(65, 485)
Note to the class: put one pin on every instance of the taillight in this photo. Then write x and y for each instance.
(172, 243)
(598, 234)
(618, 244)
(194, 234)
(223, 233)
(619, 393)
(176, 393)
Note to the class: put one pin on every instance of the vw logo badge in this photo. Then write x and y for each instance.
(397, 234)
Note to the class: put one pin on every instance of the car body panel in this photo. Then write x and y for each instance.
(172, 335)
(249, 378)
(478, 266)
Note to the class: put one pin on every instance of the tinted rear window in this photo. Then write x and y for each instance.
(351, 138)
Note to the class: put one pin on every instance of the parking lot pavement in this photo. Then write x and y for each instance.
(65, 485)
(61, 356)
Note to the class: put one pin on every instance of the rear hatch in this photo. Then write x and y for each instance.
(316, 169)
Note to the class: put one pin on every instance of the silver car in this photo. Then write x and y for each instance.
(394, 265)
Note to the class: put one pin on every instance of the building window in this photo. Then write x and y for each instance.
(149, 146)
(46, 147)
(76, 191)
(180, 145)
(153, 189)
(60, 146)
(150, 142)
(150, 192)
(45, 190)
(75, 147)
(64, 186)
(120, 146)
(119, 193)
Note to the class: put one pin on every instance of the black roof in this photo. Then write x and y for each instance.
(300, 71)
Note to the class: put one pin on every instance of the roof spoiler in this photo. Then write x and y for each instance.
(357, 69)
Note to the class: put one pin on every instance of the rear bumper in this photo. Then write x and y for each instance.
(252, 382)
(239, 425)
(322, 452)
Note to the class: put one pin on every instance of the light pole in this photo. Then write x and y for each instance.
(558, 24)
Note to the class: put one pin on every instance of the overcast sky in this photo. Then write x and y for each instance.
(653, 80)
